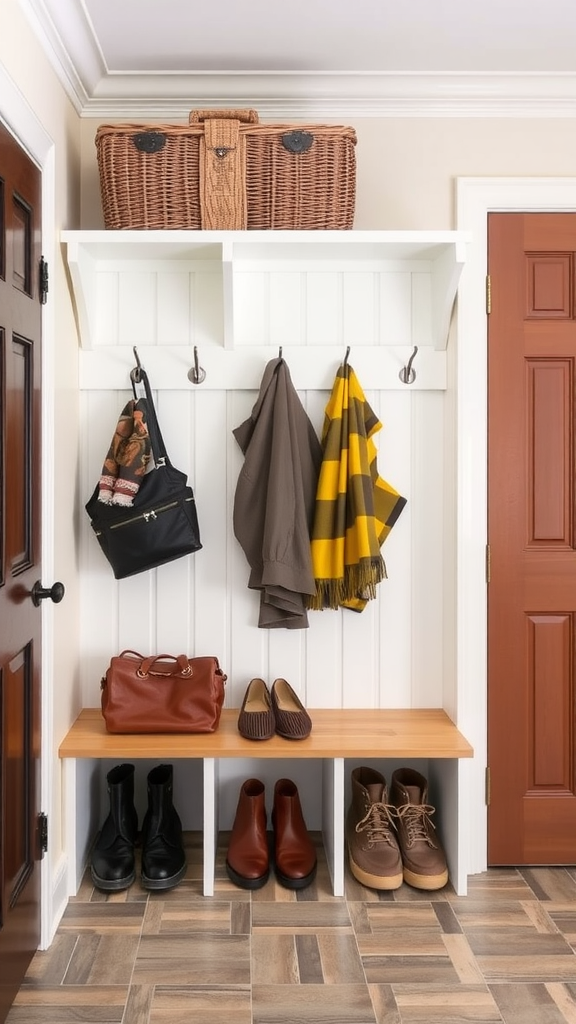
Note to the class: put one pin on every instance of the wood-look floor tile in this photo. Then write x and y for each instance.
(207, 915)
(49, 966)
(526, 969)
(539, 916)
(174, 1005)
(83, 1003)
(451, 1005)
(240, 918)
(359, 918)
(102, 960)
(341, 963)
(399, 917)
(526, 1004)
(461, 955)
(309, 962)
(139, 1004)
(384, 1004)
(498, 884)
(550, 883)
(103, 917)
(195, 959)
(300, 916)
(523, 942)
(565, 998)
(446, 917)
(274, 960)
(563, 917)
(402, 942)
(394, 970)
(504, 954)
(152, 923)
(312, 1004)
(493, 915)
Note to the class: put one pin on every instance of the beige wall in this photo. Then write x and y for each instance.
(24, 62)
(406, 168)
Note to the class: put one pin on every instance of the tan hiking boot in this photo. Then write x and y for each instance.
(422, 855)
(373, 850)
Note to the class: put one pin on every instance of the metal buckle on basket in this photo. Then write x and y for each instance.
(222, 151)
(149, 142)
(297, 141)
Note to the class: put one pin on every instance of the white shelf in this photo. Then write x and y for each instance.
(426, 264)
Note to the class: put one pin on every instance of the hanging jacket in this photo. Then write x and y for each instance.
(274, 499)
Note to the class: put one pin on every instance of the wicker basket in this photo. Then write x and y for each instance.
(225, 171)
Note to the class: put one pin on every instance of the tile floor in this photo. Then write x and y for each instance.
(505, 953)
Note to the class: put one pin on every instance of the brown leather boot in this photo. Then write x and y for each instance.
(422, 854)
(295, 856)
(248, 860)
(373, 852)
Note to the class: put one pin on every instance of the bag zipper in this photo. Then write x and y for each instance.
(147, 516)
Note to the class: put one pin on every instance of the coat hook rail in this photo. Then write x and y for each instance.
(196, 374)
(407, 374)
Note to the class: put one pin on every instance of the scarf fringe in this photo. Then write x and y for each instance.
(359, 581)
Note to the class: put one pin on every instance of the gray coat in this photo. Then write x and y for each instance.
(275, 497)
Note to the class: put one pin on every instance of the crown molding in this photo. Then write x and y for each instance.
(305, 96)
(70, 46)
(96, 92)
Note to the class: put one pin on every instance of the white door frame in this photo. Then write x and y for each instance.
(20, 119)
(476, 198)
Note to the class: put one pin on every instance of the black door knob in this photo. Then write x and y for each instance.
(40, 593)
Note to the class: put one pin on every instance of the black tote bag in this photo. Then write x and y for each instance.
(162, 523)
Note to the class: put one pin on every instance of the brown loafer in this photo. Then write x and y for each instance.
(292, 719)
(256, 718)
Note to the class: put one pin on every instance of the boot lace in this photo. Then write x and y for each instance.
(378, 823)
(417, 821)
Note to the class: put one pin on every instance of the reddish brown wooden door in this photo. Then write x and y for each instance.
(20, 620)
(532, 537)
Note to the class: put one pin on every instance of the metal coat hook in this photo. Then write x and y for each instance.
(135, 374)
(196, 374)
(280, 352)
(346, 356)
(407, 374)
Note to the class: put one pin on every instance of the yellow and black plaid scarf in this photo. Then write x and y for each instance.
(355, 508)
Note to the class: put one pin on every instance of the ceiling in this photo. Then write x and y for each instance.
(363, 57)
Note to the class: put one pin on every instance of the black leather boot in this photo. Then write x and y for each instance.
(112, 861)
(163, 857)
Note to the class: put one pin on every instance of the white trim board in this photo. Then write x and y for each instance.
(476, 198)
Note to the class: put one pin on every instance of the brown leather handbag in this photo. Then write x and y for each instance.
(162, 694)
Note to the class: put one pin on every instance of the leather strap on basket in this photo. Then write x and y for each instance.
(223, 202)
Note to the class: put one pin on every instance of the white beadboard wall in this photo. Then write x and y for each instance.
(390, 655)
(393, 654)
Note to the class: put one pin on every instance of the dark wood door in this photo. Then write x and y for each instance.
(532, 537)
(20, 568)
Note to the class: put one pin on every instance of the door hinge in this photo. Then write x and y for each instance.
(488, 295)
(43, 830)
(487, 787)
(43, 274)
(488, 563)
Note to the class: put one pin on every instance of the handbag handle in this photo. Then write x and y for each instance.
(159, 452)
(181, 666)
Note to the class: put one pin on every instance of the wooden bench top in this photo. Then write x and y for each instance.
(405, 733)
